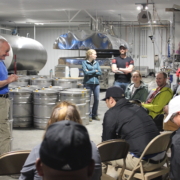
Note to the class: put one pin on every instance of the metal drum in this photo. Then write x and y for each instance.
(22, 107)
(65, 83)
(87, 96)
(22, 81)
(41, 82)
(44, 102)
(78, 98)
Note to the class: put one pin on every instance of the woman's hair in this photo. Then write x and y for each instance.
(89, 52)
(65, 111)
(137, 71)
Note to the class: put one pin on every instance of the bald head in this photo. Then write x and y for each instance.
(4, 49)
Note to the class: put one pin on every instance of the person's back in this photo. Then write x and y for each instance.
(65, 152)
(130, 122)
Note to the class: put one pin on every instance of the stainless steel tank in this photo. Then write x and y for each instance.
(78, 98)
(65, 83)
(41, 82)
(87, 97)
(22, 107)
(44, 102)
(30, 54)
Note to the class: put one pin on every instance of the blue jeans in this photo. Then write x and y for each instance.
(94, 88)
(121, 85)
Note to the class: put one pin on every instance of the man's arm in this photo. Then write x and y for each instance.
(162, 99)
(109, 124)
(127, 70)
(10, 79)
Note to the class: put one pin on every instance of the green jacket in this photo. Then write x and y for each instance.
(159, 101)
(141, 93)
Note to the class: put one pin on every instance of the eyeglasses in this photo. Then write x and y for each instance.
(173, 116)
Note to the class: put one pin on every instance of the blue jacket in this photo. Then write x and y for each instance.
(90, 73)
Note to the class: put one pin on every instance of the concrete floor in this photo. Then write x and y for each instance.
(26, 139)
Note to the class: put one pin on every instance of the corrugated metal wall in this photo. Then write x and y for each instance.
(137, 37)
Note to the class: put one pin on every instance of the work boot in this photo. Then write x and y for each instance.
(96, 118)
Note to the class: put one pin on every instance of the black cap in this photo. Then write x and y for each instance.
(66, 146)
(123, 45)
(115, 92)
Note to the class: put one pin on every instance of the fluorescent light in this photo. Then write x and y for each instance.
(146, 7)
(139, 7)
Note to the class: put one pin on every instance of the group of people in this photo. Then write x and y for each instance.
(66, 151)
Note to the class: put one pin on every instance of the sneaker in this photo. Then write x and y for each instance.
(96, 118)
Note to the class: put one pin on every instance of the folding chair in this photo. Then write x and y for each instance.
(12, 162)
(159, 144)
(112, 150)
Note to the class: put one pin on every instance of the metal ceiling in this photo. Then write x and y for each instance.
(56, 12)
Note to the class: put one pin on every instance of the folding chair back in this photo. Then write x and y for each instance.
(159, 144)
(12, 162)
(112, 150)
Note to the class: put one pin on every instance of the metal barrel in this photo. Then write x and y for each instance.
(44, 102)
(22, 107)
(87, 97)
(65, 83)
(22, 81)
(41, 82)
(78, 98)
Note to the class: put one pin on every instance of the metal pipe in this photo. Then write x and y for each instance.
(34, 31)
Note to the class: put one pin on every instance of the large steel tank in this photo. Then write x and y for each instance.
(78, 98)
(30, 54)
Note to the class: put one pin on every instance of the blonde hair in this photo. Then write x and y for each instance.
(89, 52)
(64, 111)
(137, 71)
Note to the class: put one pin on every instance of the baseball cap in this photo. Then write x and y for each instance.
(115, 92)
(66, 146)
(123, 45)
(174, 107)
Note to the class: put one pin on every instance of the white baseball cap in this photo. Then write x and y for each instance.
(174, 107)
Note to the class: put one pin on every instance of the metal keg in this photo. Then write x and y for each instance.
(21, 81)
(44, 102)
(22, 107)
(65, 83)
(87, 96)
(78, 98)
(41, 82)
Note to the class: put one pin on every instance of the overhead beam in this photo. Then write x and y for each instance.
(89, 15)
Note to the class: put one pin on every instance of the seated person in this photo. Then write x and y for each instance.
(63, 110)
(174, 116)
(158, 97)
(65, 152)
(169, 125)
(136, 90)
(130, 122)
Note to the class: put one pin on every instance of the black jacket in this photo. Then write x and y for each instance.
(175, 156)
(130, 122)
